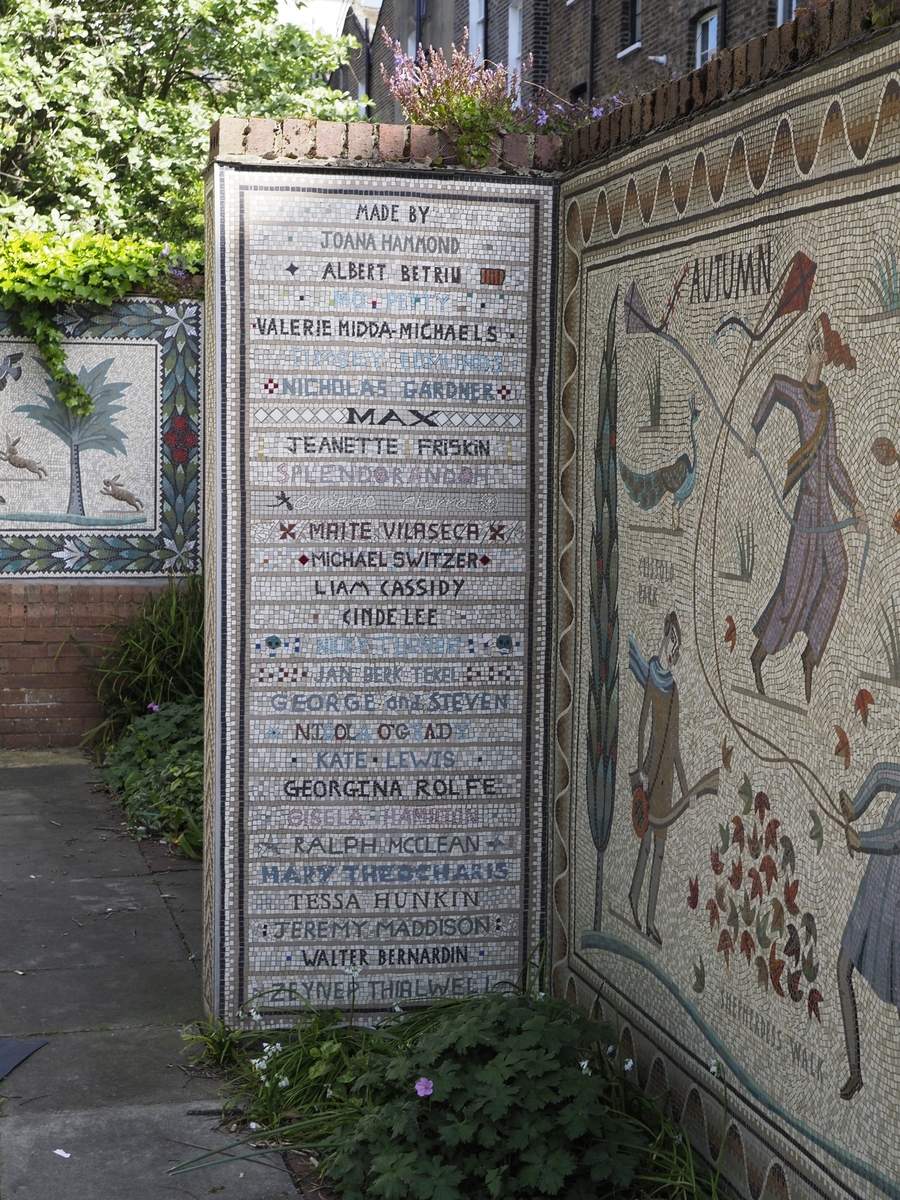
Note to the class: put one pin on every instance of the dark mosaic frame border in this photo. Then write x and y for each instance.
(536, 724)
(175, 549)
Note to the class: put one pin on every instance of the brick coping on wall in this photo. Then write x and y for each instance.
(816, 31)
(356, 143)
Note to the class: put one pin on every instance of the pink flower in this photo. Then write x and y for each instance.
(153, 707)
(424, 1087)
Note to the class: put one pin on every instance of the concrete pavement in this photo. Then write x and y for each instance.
(100, 954)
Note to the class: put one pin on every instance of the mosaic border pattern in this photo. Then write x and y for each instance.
(176, 328)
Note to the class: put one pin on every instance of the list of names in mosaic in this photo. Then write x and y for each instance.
(391, 473)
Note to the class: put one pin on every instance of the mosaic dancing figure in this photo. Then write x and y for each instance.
(653, 780)
(870, 942)
(814, 575)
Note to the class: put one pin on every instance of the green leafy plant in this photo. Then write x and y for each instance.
(155, 657)
(513, 1099)
(511, 1093)
(156, 770)
(473, 102)
(42, 273)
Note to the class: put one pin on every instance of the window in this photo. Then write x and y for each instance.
(476, 27)
(514, 37)
(707, 37)
(786, 11)
(634, 22)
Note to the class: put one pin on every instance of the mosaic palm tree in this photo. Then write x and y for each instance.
(94, 431)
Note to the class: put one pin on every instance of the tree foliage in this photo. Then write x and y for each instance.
(105, 105)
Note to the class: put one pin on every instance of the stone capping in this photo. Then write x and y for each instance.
(359, 143)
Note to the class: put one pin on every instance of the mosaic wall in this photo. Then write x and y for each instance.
(114, 493)
(380, 482)
(726, 869)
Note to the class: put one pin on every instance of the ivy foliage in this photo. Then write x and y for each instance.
(41, 273)
(106, 105)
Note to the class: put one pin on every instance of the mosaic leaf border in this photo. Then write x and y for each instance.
(177, 328)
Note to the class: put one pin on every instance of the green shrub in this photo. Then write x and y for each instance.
(505, 1094)
(517, 1101)
(156, 770)
(155, 657)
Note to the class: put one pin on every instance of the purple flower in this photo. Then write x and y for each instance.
(153, 707)
(424, 1087)
(597, 111)
(541, 117)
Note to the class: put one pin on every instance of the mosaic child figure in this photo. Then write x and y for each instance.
(870, 942)
(814, 573)
(657, 768)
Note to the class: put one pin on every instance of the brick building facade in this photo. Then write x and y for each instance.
(580, 48)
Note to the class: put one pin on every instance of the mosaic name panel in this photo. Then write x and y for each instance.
(114, 492)
(382, 473)
(731, 767)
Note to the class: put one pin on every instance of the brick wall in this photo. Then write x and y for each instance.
(814, 33)
(316, 143)
(45, 699)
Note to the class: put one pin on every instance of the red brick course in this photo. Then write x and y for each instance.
(45, 696)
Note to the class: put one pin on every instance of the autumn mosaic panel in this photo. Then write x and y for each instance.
(729, 796)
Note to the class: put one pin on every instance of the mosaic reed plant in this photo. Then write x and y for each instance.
(745, 549)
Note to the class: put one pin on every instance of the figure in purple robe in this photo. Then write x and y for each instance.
(814, 574)
(871, 940)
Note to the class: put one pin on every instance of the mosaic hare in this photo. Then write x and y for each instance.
(112, 487)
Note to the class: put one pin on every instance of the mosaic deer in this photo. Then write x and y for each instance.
(112, 487)
(12, 456)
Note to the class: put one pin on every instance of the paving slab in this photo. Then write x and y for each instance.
(150, 1065)
(123, 1153)
(108, 997)
(103, 931)
(71, 925)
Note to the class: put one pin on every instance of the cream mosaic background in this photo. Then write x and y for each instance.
(381, 473)
(740, 960)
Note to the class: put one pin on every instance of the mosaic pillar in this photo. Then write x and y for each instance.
(378, 455)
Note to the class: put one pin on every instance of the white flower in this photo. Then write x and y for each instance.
(284, 1081)
(70, 553)
(253, 1125)
(714, 1068)
(628, 1064)
(397, 1008)
(679, 1138)
(585, 1068)
(180, 558)
(610, 1050)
